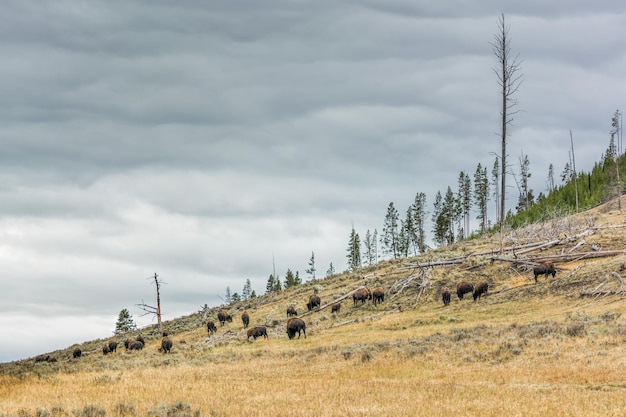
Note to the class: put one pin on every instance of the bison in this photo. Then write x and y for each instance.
(166, 344)
(112, 346)
(210, 327)
(291, 311)
(295, 325)
(314, 301)
(335, 308)
(480, 290)
(106, 350)
(257, 331)
(223, 316)
(77, 353)
(378, 295)
(140, 339)
(463, 288)
(245, 318)
(362, 294)
(445, 296)
(135, 345)
(546, 268)
(42, 358)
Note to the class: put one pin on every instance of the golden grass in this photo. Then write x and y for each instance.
(526, 349)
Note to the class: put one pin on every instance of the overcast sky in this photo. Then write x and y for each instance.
(203, 140)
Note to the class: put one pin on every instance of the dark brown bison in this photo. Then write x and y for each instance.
(257, 331)
(314, 301)
(42, 358)
(295, 325)
(291, 311)
(210, 327)
(480, 289)
(362, 295)
(106, 350)
(135, 345)
(166, 344)
(463, 288)
(77, 353)
(335, 308)
(378, 295)
(223, 316)
(140, 339)
(52, 360)
(245, 318)
(445, 296)
(112, 346)
(545, 268)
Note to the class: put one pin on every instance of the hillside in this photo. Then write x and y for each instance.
(555, 347)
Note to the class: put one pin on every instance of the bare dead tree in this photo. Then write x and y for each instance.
(156, 311)
(509, 81)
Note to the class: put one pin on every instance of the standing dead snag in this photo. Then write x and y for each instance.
(154, 310)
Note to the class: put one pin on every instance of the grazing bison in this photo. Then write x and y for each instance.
(295, 325)
(546, 268)
(378, 295)
(223, 316)
(362, 294)
(210, 327)
(166, 344)
(257, 331)
(135, 345)
(445, 296)
(42, 358)
(106, 350)
(245, 318)
(77, 353)
(140, 339)
(480, 290)
(335, 308)
(291, 311)
(463, 288)
(314, 301)
(112, 346)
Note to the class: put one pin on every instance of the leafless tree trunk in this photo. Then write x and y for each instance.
(154, 310)
(574, 168)
(509, 81)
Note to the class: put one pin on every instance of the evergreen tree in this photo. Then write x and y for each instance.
(331, 270)
(247, 290)
(451, 209)
(524, 192)
(252, 294)
(228, 297)
(271, 284)
(495, 175)
(354, 251)
(125, 322)
(409, 235)
(418, 209)
(290, 280)
(277, 285)
(439, 221)
(311, 270)
(389, 238)
(235, 297)
(481, 195)
(465, 201)
(550, 178)
(368, 253)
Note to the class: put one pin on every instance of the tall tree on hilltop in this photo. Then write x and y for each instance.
(525, 194)
(369, 254)
(291, 280)
(354, 251)
(616, 130)
(481, 195)
(419, 215)
(247, 290)
(509, 81)
(125, 322)
(389, 238)
(439, 222)
(465, 201)
(311, 270)
(495, 175)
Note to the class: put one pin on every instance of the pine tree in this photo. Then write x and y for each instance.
(125, 322)
(368, 254)
(247, 290)
(550, 178)
(354, 251)
(409, 236)
(311, 270)
(271, 284)
(439, 221)
(418, 209)
(389, 238)
(331, 270)
(290, 280)
(465, 201)
(228, 297)
(481, 195)
(495, 175)
(235, 297)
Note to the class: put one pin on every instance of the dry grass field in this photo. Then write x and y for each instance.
(524, 349)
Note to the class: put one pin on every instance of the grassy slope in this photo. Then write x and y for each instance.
(525, 349)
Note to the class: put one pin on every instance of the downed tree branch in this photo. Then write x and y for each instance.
(596, 291)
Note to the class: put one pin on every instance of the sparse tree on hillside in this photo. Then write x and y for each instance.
(439, 223)
(369, 254)
(311, 270)
(291, 280)
(247, 290)
(331, 270)
(410, 233)
(125, 322)
(418, 209)
(509, 81)
(228, 297)
(389, 238)
(481, 195)
(354, 251)
(465, 201)
(235, 297)
(271, 284)
(156, 311)
(495, 175)
(525, 193)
